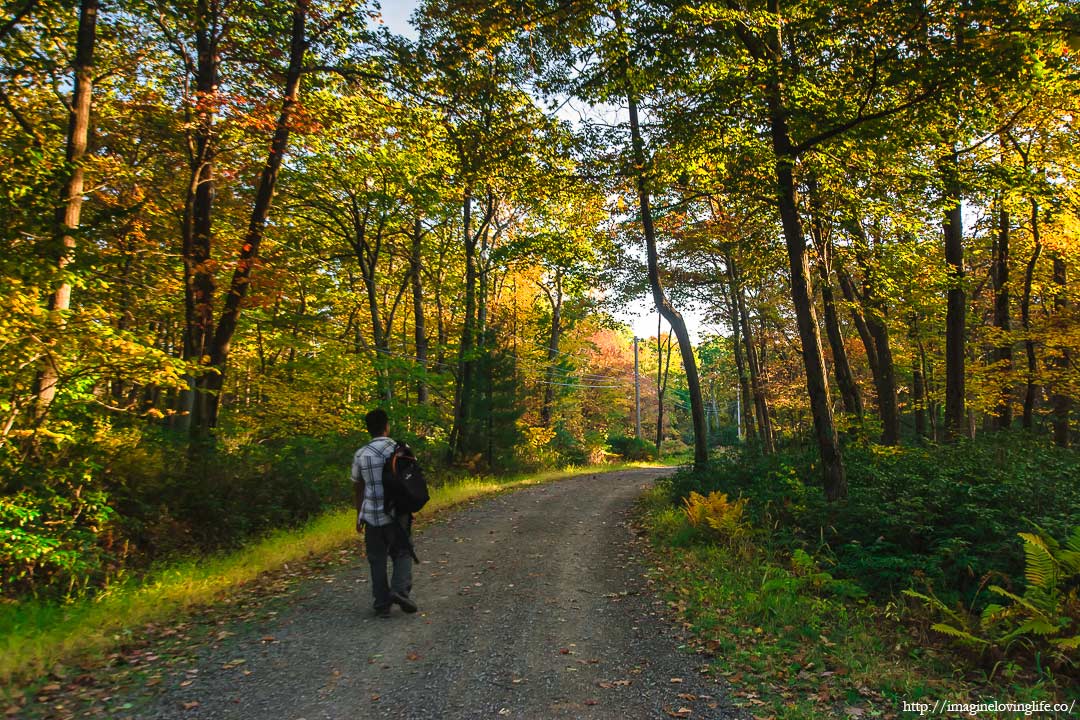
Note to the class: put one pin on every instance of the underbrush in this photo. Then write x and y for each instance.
(81, 517)
(947, 517)
(969, 548)
(795, 639)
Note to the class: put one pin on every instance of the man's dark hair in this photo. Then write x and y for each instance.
(377, 422)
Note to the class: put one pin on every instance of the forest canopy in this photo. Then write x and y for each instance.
(230, 228)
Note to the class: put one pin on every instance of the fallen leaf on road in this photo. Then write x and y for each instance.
(375, 698)
(190, 705)
(412, 656)
(591, 702)
(682, 712)
(676, 680)
(854, 712)
(688, 697)
(185, 683)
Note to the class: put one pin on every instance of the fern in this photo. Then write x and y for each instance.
(1041, 569)
(1047, 609)
(957, 633)
(1072, 643)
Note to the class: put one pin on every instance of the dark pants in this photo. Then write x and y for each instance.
(389, 541)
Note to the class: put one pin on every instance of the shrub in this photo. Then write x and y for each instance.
(632, 448)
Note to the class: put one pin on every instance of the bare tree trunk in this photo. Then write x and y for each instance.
(875, 319)
(1059, 401)
(761, 400)
(845, 379)
(1003, 355)
(463, 386)
(71, 196)
(663, 365)
(555, 298)
(832, 464)
(420, 334)
(956, 421)
(673, 317)
(197, 225)
(747, 418)
(264, 193)
(1030, 388)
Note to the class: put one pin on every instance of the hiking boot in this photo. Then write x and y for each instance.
(382, 612)
(403, 601)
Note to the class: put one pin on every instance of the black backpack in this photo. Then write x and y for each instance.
(404, 485)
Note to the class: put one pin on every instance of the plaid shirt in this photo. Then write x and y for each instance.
(367, 468)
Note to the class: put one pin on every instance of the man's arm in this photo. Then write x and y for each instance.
(358, 490)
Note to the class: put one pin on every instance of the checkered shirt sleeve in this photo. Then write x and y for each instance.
(367, 467)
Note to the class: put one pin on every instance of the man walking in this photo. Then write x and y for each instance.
(386, 535)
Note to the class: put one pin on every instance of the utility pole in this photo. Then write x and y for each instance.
(637, 393)
(738, 414)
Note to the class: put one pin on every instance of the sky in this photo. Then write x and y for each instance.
(641, 314)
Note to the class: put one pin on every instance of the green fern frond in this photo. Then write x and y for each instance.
(936, 604)
(958, 633)
(994, 613)
(1041, 568)
(1018, 600)
(1072, 643)
(1073, 541)
(1038, 626)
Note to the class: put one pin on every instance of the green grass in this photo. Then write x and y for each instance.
(35, 636)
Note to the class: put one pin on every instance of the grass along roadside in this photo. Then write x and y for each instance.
(793, 642)
(37, 636)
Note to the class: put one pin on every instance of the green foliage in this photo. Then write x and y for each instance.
(85, 515)
(631, 448)
(1044, 620)
(55, 535)
(946, 514)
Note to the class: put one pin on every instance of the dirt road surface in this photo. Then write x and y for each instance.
(533, 605)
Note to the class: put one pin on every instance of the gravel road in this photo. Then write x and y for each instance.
(532, 604)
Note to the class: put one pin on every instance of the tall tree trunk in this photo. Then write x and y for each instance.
(845, 379)
(956, 421)
(746, 401)
(854, 301)
(875, 309)
(1003, 355)
(71, 195)
(420, 331)
(662, 369)
(1030, 388)
(555, 298)
(463, 388)
(264, 193)
(663, 305)
(757, 387)
(1059, 401)
(832, 464)
(197, 224)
